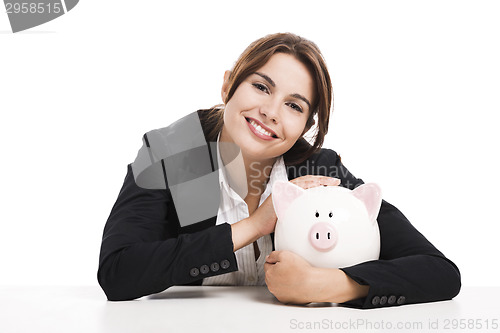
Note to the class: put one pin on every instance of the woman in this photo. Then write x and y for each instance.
(203, 213)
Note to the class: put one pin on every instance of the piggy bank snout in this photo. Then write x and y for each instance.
(323, 236)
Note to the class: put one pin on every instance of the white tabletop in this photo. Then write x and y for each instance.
(232, 309)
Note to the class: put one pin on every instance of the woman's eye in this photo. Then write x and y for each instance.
(295, 107)
(261, 87)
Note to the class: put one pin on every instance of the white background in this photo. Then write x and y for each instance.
(416, 86)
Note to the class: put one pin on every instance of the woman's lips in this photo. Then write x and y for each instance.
(260, 131)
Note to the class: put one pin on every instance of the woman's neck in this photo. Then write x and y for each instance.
(258, 173)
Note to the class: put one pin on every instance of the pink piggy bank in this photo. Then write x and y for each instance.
(331, 227)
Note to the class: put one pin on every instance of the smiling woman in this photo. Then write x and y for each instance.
(299, 59)
(215, 169)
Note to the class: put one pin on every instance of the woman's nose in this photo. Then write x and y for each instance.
(271, 111)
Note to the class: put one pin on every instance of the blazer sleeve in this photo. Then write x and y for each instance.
(143, 252)
(410, 269)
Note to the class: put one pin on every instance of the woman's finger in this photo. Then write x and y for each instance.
(273, 257)
(312, 181)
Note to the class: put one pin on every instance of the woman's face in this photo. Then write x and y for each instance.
(268, 111)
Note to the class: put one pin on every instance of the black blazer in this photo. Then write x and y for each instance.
(145, 250)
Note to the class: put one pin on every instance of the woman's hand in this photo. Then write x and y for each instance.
(288, 277)
(309, 181)
(291, 279)
(260, 223)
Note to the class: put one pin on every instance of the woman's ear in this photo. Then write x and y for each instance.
(225, 86)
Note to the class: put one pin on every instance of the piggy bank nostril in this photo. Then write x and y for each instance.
(328, 235)
(317, 235)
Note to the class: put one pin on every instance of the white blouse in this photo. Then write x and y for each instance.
(232, 209)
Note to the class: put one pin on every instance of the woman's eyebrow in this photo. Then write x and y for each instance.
(267, 78)
(271, 82)
(302, 98)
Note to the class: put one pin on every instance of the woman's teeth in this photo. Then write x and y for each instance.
(260, 129)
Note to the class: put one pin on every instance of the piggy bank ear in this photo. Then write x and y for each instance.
(283, 195)
(371, 195)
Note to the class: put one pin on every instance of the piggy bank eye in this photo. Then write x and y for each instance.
(330, 215)
(317, 214)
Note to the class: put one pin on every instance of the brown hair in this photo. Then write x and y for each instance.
(254, 57)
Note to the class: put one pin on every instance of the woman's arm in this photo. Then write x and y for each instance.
(142, 251)
(410, 268)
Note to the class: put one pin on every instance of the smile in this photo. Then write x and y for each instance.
(260, 131)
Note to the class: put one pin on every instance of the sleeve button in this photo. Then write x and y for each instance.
(214, 267)
(401, 300)
(204, 269)
(194, 272)
(225, 264)
(391, 300)
(375, 300)
(383, 300)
